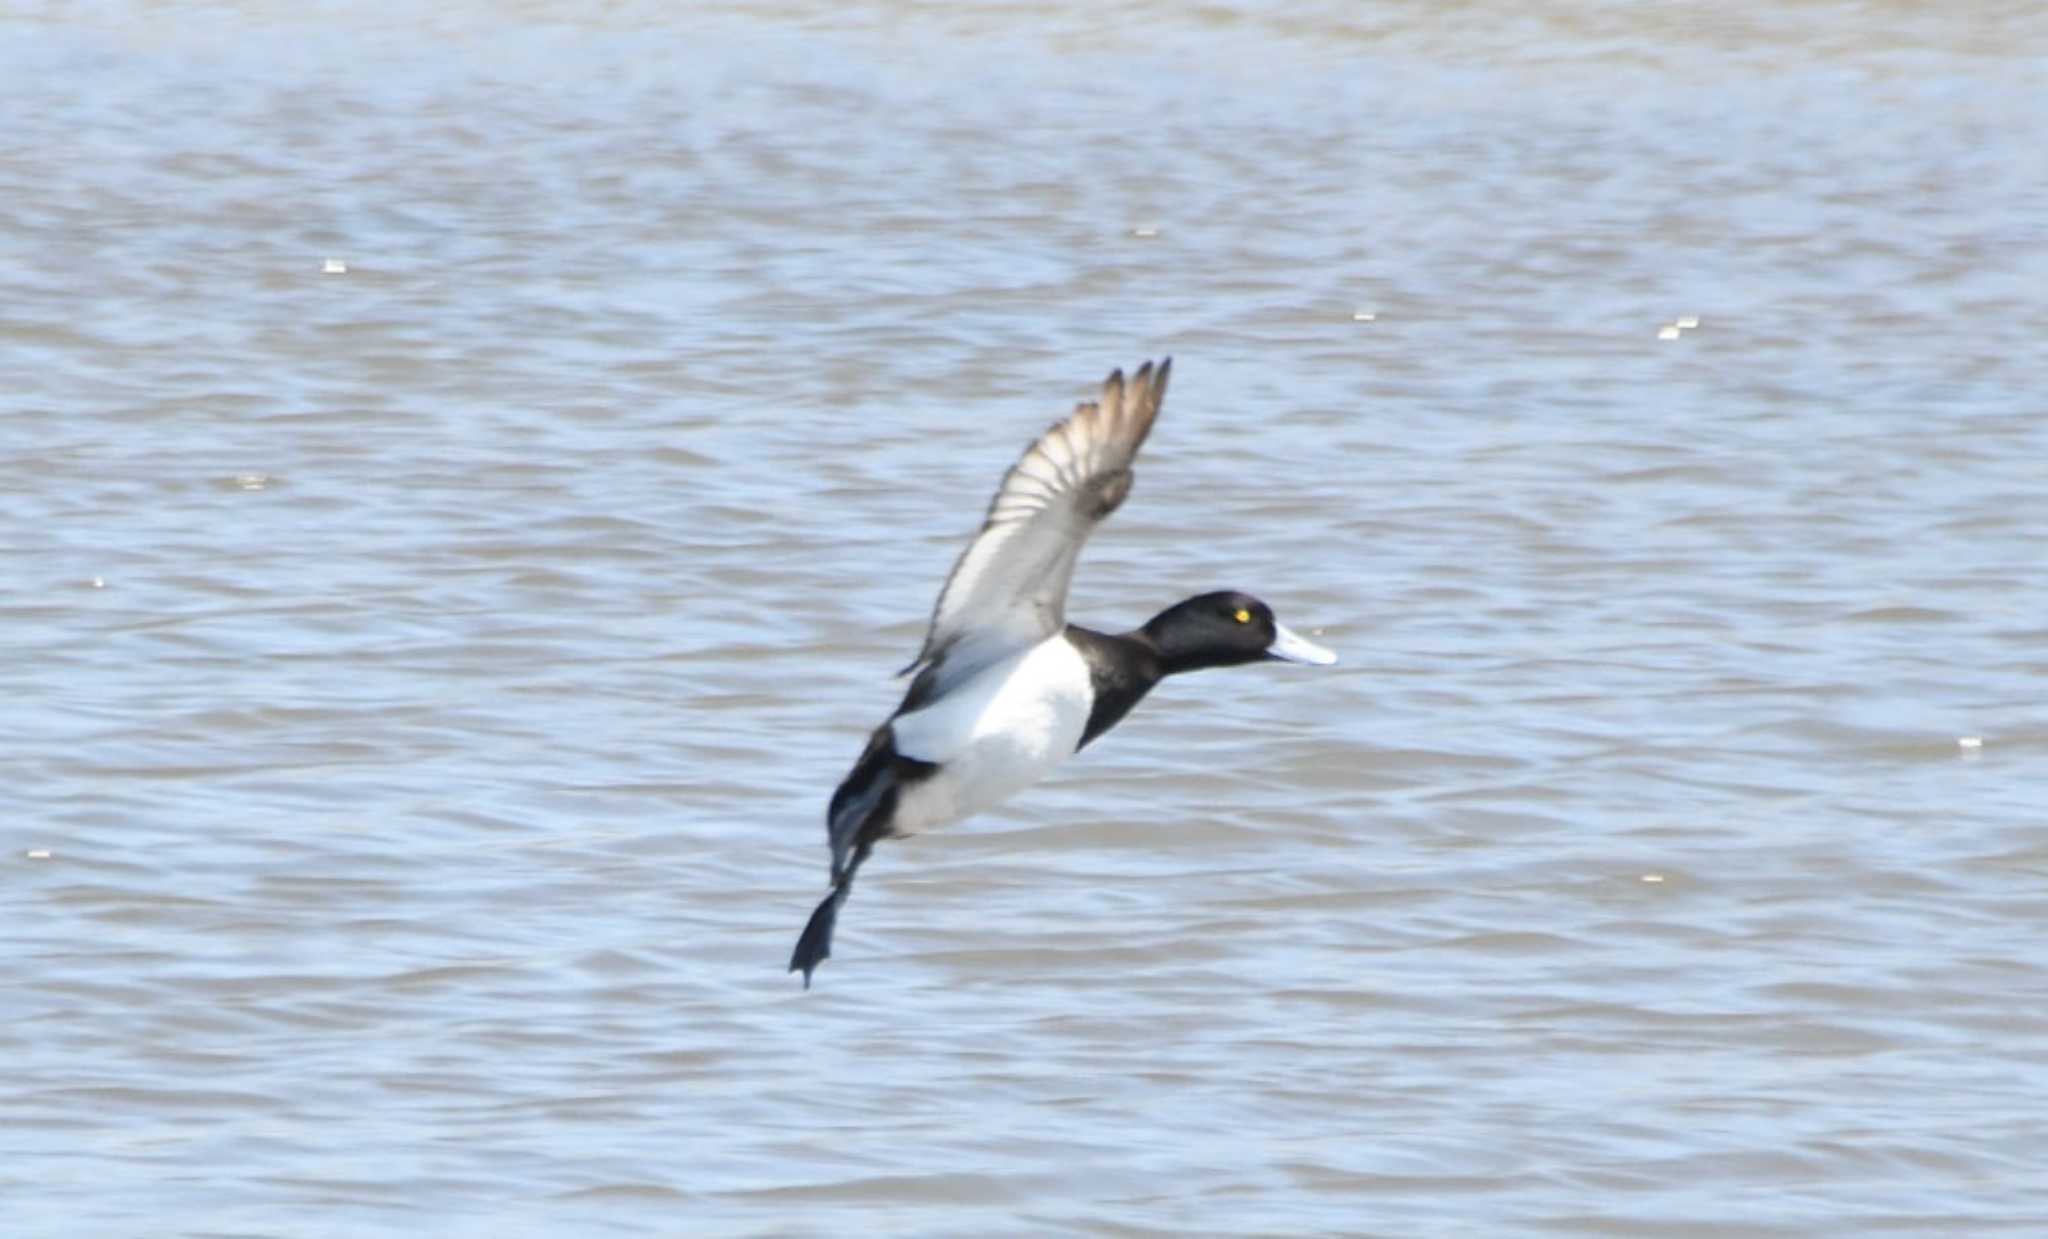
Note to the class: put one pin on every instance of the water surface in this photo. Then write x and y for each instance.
(425, 679)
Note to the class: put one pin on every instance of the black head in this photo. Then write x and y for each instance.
(1225, 629)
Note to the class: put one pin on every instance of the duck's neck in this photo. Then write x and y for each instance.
(1122, 668)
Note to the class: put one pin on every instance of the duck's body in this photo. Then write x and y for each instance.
(1006, 689)
(993, 735)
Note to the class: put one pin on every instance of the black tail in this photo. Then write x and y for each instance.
(815, 946)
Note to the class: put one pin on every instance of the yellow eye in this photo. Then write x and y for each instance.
(1243, 616)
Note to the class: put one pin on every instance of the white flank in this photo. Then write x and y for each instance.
(994, 735)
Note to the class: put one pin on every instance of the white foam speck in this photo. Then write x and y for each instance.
(334, 266)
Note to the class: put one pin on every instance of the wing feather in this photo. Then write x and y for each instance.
(1009, 587)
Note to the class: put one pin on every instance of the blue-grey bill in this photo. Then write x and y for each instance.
(1295, 648)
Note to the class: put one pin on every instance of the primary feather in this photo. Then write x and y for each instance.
(1008, 590)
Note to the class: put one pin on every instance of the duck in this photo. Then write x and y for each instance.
(1004, 689)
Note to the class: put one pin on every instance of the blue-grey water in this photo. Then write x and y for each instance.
(467, 477)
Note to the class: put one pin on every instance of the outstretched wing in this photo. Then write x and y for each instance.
(1009, 588)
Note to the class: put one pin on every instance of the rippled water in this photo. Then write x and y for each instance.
(424, 679)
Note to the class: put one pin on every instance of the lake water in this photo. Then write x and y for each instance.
(423, 677)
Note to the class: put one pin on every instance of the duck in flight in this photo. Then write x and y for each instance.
(1006, 689)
